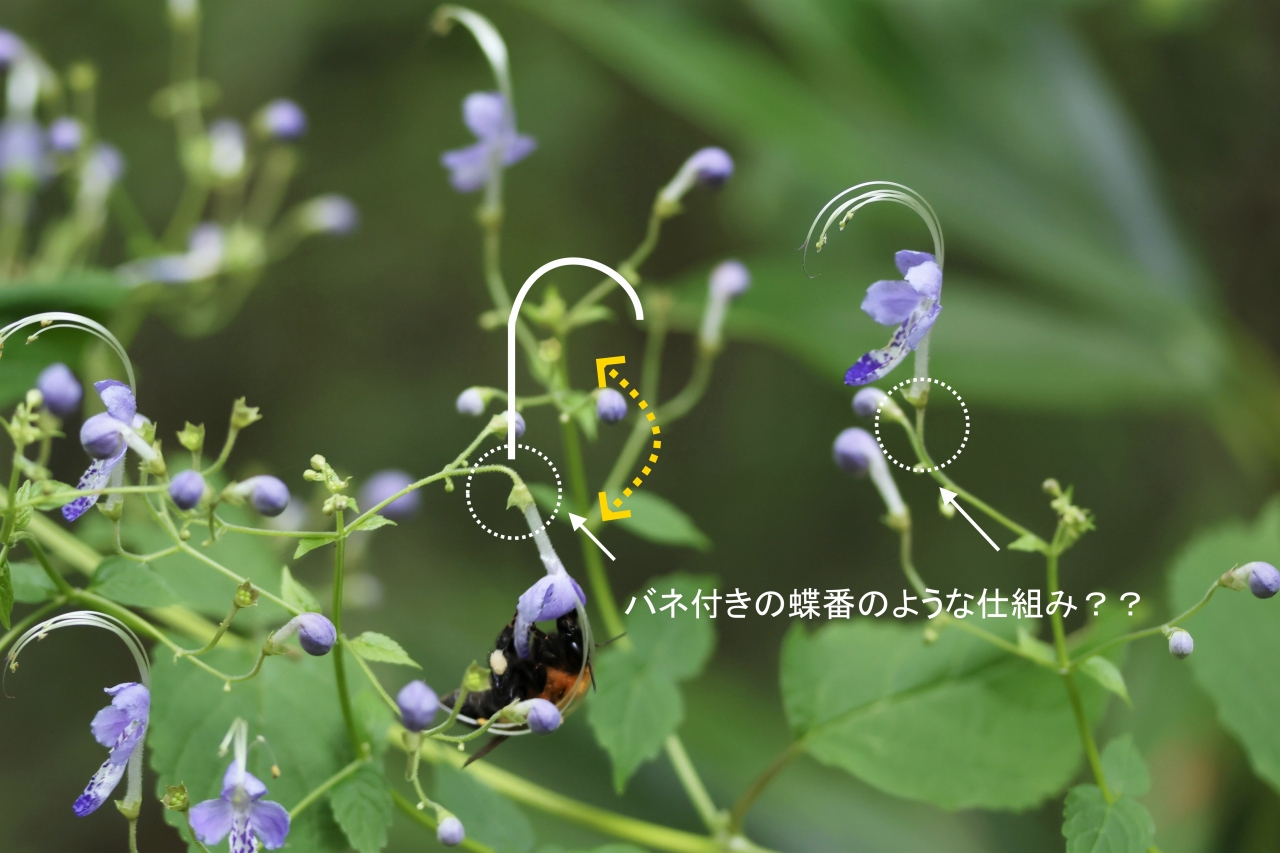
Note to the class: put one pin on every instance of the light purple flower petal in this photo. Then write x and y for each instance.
(890, 303)
(132, 698)
(483, 114)
(270, 822)
(108, 724)
(242, 834)
(906, 259)
(253, 786)
(211, 820)
(917, 330)
(926, 278)
(468, 167)
(96, 477)
(550, 598)
(879, 362)
(118, 398)
(518, 148)
(112, 770)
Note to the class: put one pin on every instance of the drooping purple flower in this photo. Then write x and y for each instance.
(241, 813)
(611, 406)
(120, 726)
(186, 489)
(105, 437)
(551, 597)
(490, 118)
(329, 214)
(60, 388)
(451, 832)
(383, 485)
(418, 705)
(912, 305)
(282, 119)
(65, 135)
(544, 717)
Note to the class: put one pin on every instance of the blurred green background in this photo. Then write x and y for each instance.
(1106, 175)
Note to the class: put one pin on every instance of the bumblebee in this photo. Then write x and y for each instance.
(558, 669)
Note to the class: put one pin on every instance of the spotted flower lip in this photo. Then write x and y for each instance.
(120, 726)
(489, 116)
(106, 437)
(912, 304)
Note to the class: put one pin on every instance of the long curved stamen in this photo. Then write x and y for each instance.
(884, 191)
(93, 620)
(66, 320)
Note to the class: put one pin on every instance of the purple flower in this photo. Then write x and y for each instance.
(709, 167)
(1180, 644)
(316, 634)
(383, 485)
(269, 495)
(611, 406)
(186, 489)
(450, 832)
(282, 119)
(550, 598)
(418, 705)
(329, 214)
(120, 726)
(519, 424)
(65, 135)
(1264, 580)
(60, 389)
(241, 812)
(912, 305)
(105, 437)
(203, 259)
(867, 401)
(491, 119)
(544, 717)
(22, 149)
(471, 402)
(11, 47)
(854, 451)
(729, 280)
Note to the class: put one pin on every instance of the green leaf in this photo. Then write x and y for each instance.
(6, 592)
(1092, 825)
(30, 584)
(1039, 648)
(1244, 685)
(489, 817)
(295, 594)
(291, 703)
(373, 522)
(657, 519)
(380, 648)
(1108, 675)
(1124, 768)
(637, 702)
(373, 718)
(128, 582)
(362, 806)
(608, 848)
(51, 494)
(308, 544)
(952, 723)
(1027, 542)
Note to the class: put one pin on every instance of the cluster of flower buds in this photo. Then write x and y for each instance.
(856, 452)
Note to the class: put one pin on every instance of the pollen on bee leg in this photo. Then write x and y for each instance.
(497, 662)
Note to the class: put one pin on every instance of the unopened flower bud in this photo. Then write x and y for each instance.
(11, 48)
(1052, 487)
(519, 424)
(471, 402)
(1180, 643)
(611, 406)
(870, 400)
(857, 453)
(226, 149)
(329, 214)
(281, 119)
(383, 485)
(708, 166)
(316, 635)
(544, 717)
(65, 135)
(1264, 579)
(100, 436)
(729, 279)
(450, 832)
(269, 495)
(418, 705)
(186, 489)
(60, 388)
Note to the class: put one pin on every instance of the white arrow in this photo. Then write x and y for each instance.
(578, 521)
(949, 499)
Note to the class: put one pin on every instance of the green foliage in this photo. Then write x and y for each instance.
(362, 806)
(608, 848)
(959, 723)
(6, 592)
(295, 594)
(637, 703)
(291, 703)
(1124, 768)
(380, 648)
(307, 544)
(30, 584)
(1234, 631)
(373, 718)
(373, 522)
(1092, 825)
(129, 582)
(489, 817)
(653, 517)
(1108, 675)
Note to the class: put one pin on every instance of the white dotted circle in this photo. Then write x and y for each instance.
(913, 468)
(559, 493)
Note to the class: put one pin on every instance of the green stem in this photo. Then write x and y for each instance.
(1148, 632)
(758, 785)
(601, 590)
(711, 816)
(217, 635)
(325, 786)
(209, 561)
(373, 679)
(59, 582)
(630, 269)
(339, 666)
(429, 821)
(225, 453)
(20, 627)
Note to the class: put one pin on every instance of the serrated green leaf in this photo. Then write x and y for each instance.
(362, 806)
(1108, 675)
(1244, 686)
(6, 592)
(950, 723)
(637, 702)
(51, 494)
(30, 584)
(128, 582)
(309, 543)
(374, 719)
(1092, 825)
(657, 519)
(22, 517)
(292, 703)
(380, 648)
(295, 594)
(1027, 542)
(489, 817)
(373, 522)
(1039, 648)
(1124, 768)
